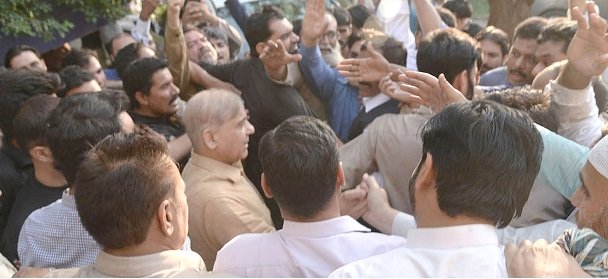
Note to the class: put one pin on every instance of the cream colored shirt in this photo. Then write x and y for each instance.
(222, 204)
(171, 263)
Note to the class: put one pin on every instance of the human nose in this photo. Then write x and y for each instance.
(250, 128)
(577, 197)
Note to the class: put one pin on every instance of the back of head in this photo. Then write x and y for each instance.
(342, 16)
(486, 157)
(78, 57)
(558, 29)
(446, 51)
(121, 184)
(460, 8)
(77, 124)
(138, 77)
(495, 35)
(530, 28)
(209, 109)
(258, 26)
(30, 122)
(300, 162)
(71, 77)
(446, 16)
(125, 57)
(534, 102)
(16, 86)
(16, 50)
(359, 15)
(393, 51)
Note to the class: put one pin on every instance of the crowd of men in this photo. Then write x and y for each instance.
(345, 144)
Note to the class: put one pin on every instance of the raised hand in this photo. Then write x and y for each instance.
(370, 69)
(588, 50)
(314, 24)
(275, 55)
(147, 8)
(173, 8)
(425, 89)
(196, 12)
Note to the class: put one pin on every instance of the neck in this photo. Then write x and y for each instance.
(47, 175)
(444, 220)
(145, 112)
(211, 155)
(332, 210)
(142, 249)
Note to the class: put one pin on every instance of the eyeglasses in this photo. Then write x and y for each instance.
(331, 35)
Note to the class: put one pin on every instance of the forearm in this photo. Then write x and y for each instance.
(180, 147)
(571, 78)
(175, 49)
(428, 18)
(318, 75)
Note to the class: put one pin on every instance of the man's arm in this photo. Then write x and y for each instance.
(572, 97)
(199, 12)
(368, 69)
(141, 32)
(540, 259)
(428, 18)
(179, 147)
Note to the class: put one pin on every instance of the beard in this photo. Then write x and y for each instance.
(334, 57)
(597, 222)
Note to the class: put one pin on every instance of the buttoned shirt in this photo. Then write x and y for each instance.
(53, 236)
(171, 263)
(303, 249)
(457, 251)
(222, 204)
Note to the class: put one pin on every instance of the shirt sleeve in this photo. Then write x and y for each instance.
(141, 32)
(358, 155)
(177, 57)
(402, 223)
(576, 112)
(549, 231)
(317, 74)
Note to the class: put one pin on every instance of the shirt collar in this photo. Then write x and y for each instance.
(373, 102)
(452, 237)
(142, 266)
(67, 199)
(334, 226)
(233, 172)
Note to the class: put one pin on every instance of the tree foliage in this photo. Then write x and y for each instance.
(36, 17)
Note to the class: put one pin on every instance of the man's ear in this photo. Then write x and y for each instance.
(209, 139)
(265, 187)
(426, 175)
(461, 81)
(259, 47)
(41, 153)
(165, 218)
(141, 98)
(340, 180)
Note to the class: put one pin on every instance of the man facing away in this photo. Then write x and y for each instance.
(458, 207)
(142, 220)
(302, 172)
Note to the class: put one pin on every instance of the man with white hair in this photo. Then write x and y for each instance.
(223, 202)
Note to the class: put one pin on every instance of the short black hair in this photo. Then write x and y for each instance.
(342, 16)
(530, 28)
(460, 8)
(138, 77)
(126, 56)
(495, 35)
(16, 50)
(534, 102)
(486, 157)
(258, 26)
(447, 51)
(558, 29)
(71, 77)
(30, 122)
(359, 15)
(393, 51)
(16, 86)
(300, 162)
(78, 57)
(77, 124)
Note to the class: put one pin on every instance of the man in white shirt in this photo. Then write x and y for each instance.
(479, 162)
(303, 173)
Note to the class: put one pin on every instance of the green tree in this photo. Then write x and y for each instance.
(35, 17)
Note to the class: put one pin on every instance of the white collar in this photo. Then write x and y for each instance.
(372, 102)
(334, 226)
(452, 237)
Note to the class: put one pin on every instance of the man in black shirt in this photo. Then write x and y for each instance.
(268, 103)
(47, 183)
(154, 102)
(16, 86)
